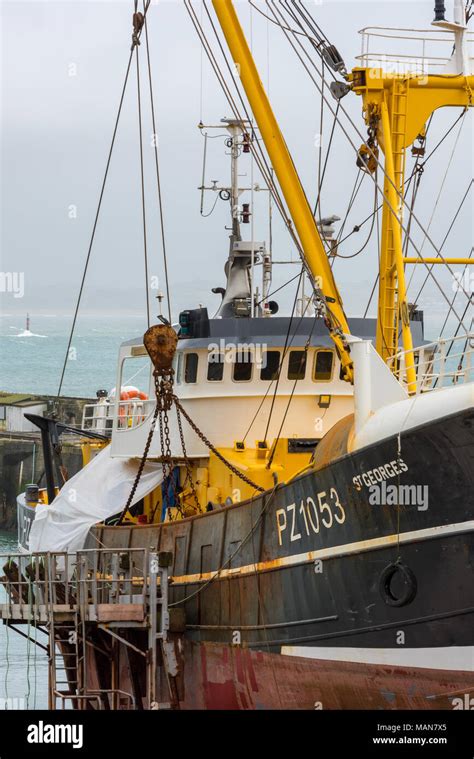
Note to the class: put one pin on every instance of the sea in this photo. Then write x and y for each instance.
(23, 664)
(33, 364)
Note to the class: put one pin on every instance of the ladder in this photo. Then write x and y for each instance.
(158, 639)
(389, 310)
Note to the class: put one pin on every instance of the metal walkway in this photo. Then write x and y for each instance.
(72, 596)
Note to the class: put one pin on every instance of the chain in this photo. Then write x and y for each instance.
(186, 459)
(141, 467)
(216, 453)
(164, 400)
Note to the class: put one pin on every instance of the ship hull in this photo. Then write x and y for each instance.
(273, 588)
(225, 677)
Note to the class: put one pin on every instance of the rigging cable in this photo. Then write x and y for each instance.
(272, 405)
(466, 267)
(142, 173)
(255, 146)
(360, 176)
(377, 222)
(157, 167)
(435, 206)
(267, 174)
(418, 168)
(302, 367)
(362, 248)
(96, 218)
(344, 130)
(443, 243)
(280, 365)
(354, 126)
(321, 132)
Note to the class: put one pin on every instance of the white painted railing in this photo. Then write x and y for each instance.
(443, 363)
(404, 51)
(99, 417)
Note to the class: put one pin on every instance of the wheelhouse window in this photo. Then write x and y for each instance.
(270, 365)
(297, 365)
(323, 365)
(242, 369)
(191, 368)
(215, 367)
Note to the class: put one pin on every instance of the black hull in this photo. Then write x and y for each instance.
(270, 594)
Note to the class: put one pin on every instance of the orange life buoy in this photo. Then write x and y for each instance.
(127, 410)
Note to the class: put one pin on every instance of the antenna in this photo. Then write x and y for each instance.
(460, 63)
(440, 10)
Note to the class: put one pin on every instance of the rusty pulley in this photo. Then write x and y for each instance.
(161, 341)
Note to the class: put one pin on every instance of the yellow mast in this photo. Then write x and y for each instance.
(301, 214)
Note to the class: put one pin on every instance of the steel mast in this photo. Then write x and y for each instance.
(314, 253)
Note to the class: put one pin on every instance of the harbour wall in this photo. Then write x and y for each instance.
(21, 463)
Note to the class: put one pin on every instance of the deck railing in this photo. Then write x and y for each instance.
(99, 417)
(443, 363)
(408, 51)
(90, 582)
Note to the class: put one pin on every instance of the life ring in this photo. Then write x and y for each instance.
(385, 584)
(127, 415)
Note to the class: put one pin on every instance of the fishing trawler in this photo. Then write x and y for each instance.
(283, 517)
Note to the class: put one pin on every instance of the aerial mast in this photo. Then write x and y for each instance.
(314, 253)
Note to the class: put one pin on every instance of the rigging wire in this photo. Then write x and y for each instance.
(466, 267)
(285, 284)
(444, 241)
(280, 365)
(354, 126)
(272, 405)
(266, 171)
(321, 180)
(96, 218)
(377, 222)
(360, 176)
(344, 130)
(302, 364)
(157, 167)
(142, 182)
(321, 132)
(255, 146)
(369, 236)
(435, 206)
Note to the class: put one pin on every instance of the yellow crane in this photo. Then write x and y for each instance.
(397, 107)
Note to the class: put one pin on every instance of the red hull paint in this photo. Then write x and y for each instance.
(218, 676)
(224, 677)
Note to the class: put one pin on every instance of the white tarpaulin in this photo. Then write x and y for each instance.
(97, 492)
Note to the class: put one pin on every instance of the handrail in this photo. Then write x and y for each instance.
(437, 364)
(420, 57)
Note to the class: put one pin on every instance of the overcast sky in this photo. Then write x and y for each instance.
(63, 65)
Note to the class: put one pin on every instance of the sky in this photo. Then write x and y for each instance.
(62, 69)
